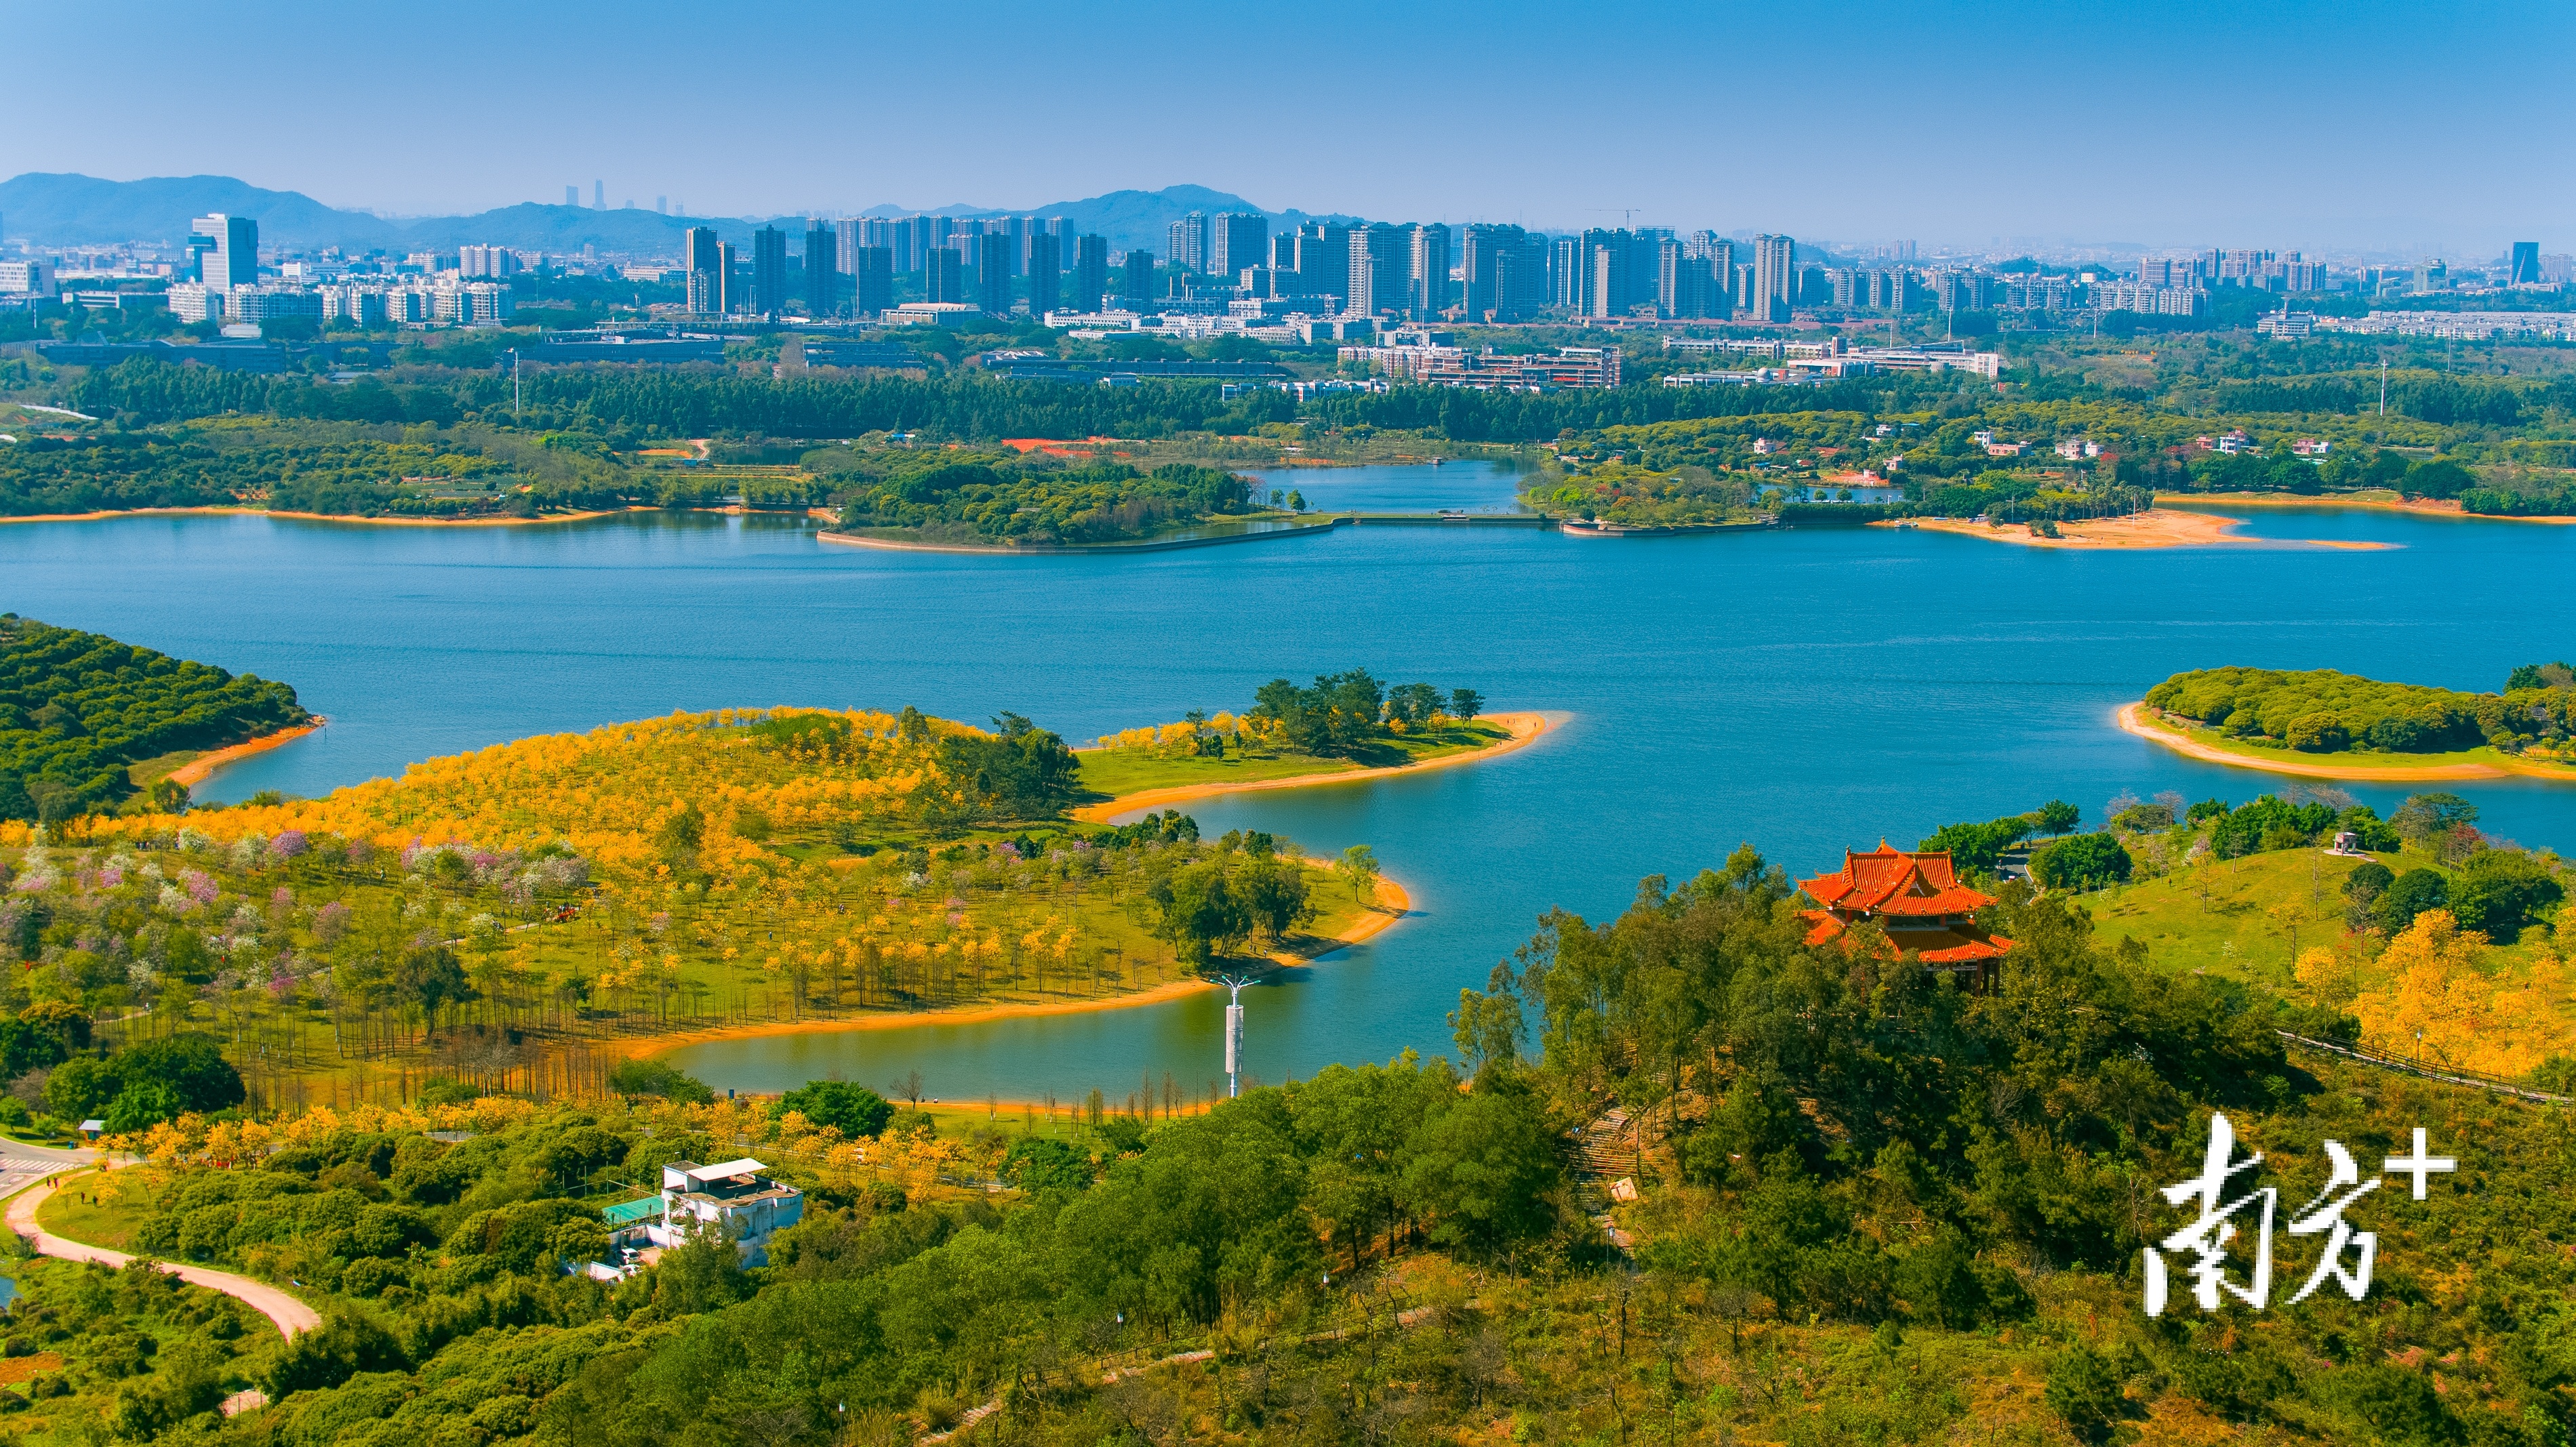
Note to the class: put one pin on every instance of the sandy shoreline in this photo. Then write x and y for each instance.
(2422, 507)
(1393, 903)
(2133, 720)
(1525, 729)
(197, 770)
(2160, 528)
(318, 517)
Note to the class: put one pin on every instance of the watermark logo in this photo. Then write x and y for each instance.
(2204, 1242)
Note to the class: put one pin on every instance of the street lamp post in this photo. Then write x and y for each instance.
(1233, 1035)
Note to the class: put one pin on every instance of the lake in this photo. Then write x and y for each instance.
(1805, 690)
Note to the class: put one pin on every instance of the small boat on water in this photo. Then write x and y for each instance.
(1587, 528)
(1453, 514)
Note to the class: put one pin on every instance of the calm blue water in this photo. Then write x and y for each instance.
(1805, 690)
(1474, 486)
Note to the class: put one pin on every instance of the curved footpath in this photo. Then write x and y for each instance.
(2133, 720)
(290, 1314)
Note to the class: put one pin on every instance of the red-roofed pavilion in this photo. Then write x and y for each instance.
(1921, 905)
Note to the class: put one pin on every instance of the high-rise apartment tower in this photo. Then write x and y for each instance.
(1090, 272)
(993, 273)
(871, 279)
(1236, 240)
(1189, 241)
(940, 276)
(822, 270)
(1044, 266)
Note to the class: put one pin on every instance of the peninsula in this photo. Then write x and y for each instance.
(597, 896)
(2329, 725)
(88, 723)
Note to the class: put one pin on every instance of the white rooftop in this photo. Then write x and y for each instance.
(728, 1170)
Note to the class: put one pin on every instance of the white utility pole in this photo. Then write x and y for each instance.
(1233, 1035)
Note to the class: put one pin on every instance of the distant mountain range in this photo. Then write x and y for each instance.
(70, 210)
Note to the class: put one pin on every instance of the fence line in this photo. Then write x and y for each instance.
(2425, 1072)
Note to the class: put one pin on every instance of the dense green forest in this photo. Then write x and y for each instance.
(77, 708)
(2498, 437)
(940, 496)
(2323, 711)
(1871, 1207)
(355, 469)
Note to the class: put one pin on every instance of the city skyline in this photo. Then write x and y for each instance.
(114, 215)
(2359, 127)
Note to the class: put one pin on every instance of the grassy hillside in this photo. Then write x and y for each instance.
(1866, 1208)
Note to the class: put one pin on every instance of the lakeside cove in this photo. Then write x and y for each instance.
(390, 632)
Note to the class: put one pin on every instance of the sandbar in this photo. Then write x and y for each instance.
(2133, 719)
(1393, 903)
(2159, 528)
(1525, 729)
(201, 768)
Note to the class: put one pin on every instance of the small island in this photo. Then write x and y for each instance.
(1294, 737)
(2323, 724)
(952, 501)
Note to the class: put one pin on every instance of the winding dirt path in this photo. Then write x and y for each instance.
(291, 1315)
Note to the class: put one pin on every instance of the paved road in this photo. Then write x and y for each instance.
(19, 1171)
(17, 1160)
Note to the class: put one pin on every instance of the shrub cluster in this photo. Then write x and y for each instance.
(2323, 711)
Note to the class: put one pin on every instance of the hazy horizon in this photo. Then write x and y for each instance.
(2365, 127)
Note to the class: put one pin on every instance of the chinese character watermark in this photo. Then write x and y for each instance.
(2216, 1223)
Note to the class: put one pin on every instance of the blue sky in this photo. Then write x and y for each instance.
(2286, 125)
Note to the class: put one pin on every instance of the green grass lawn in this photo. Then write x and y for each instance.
(2236, 917)
(147, 772)
(1115, 773)
(101, 1211)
